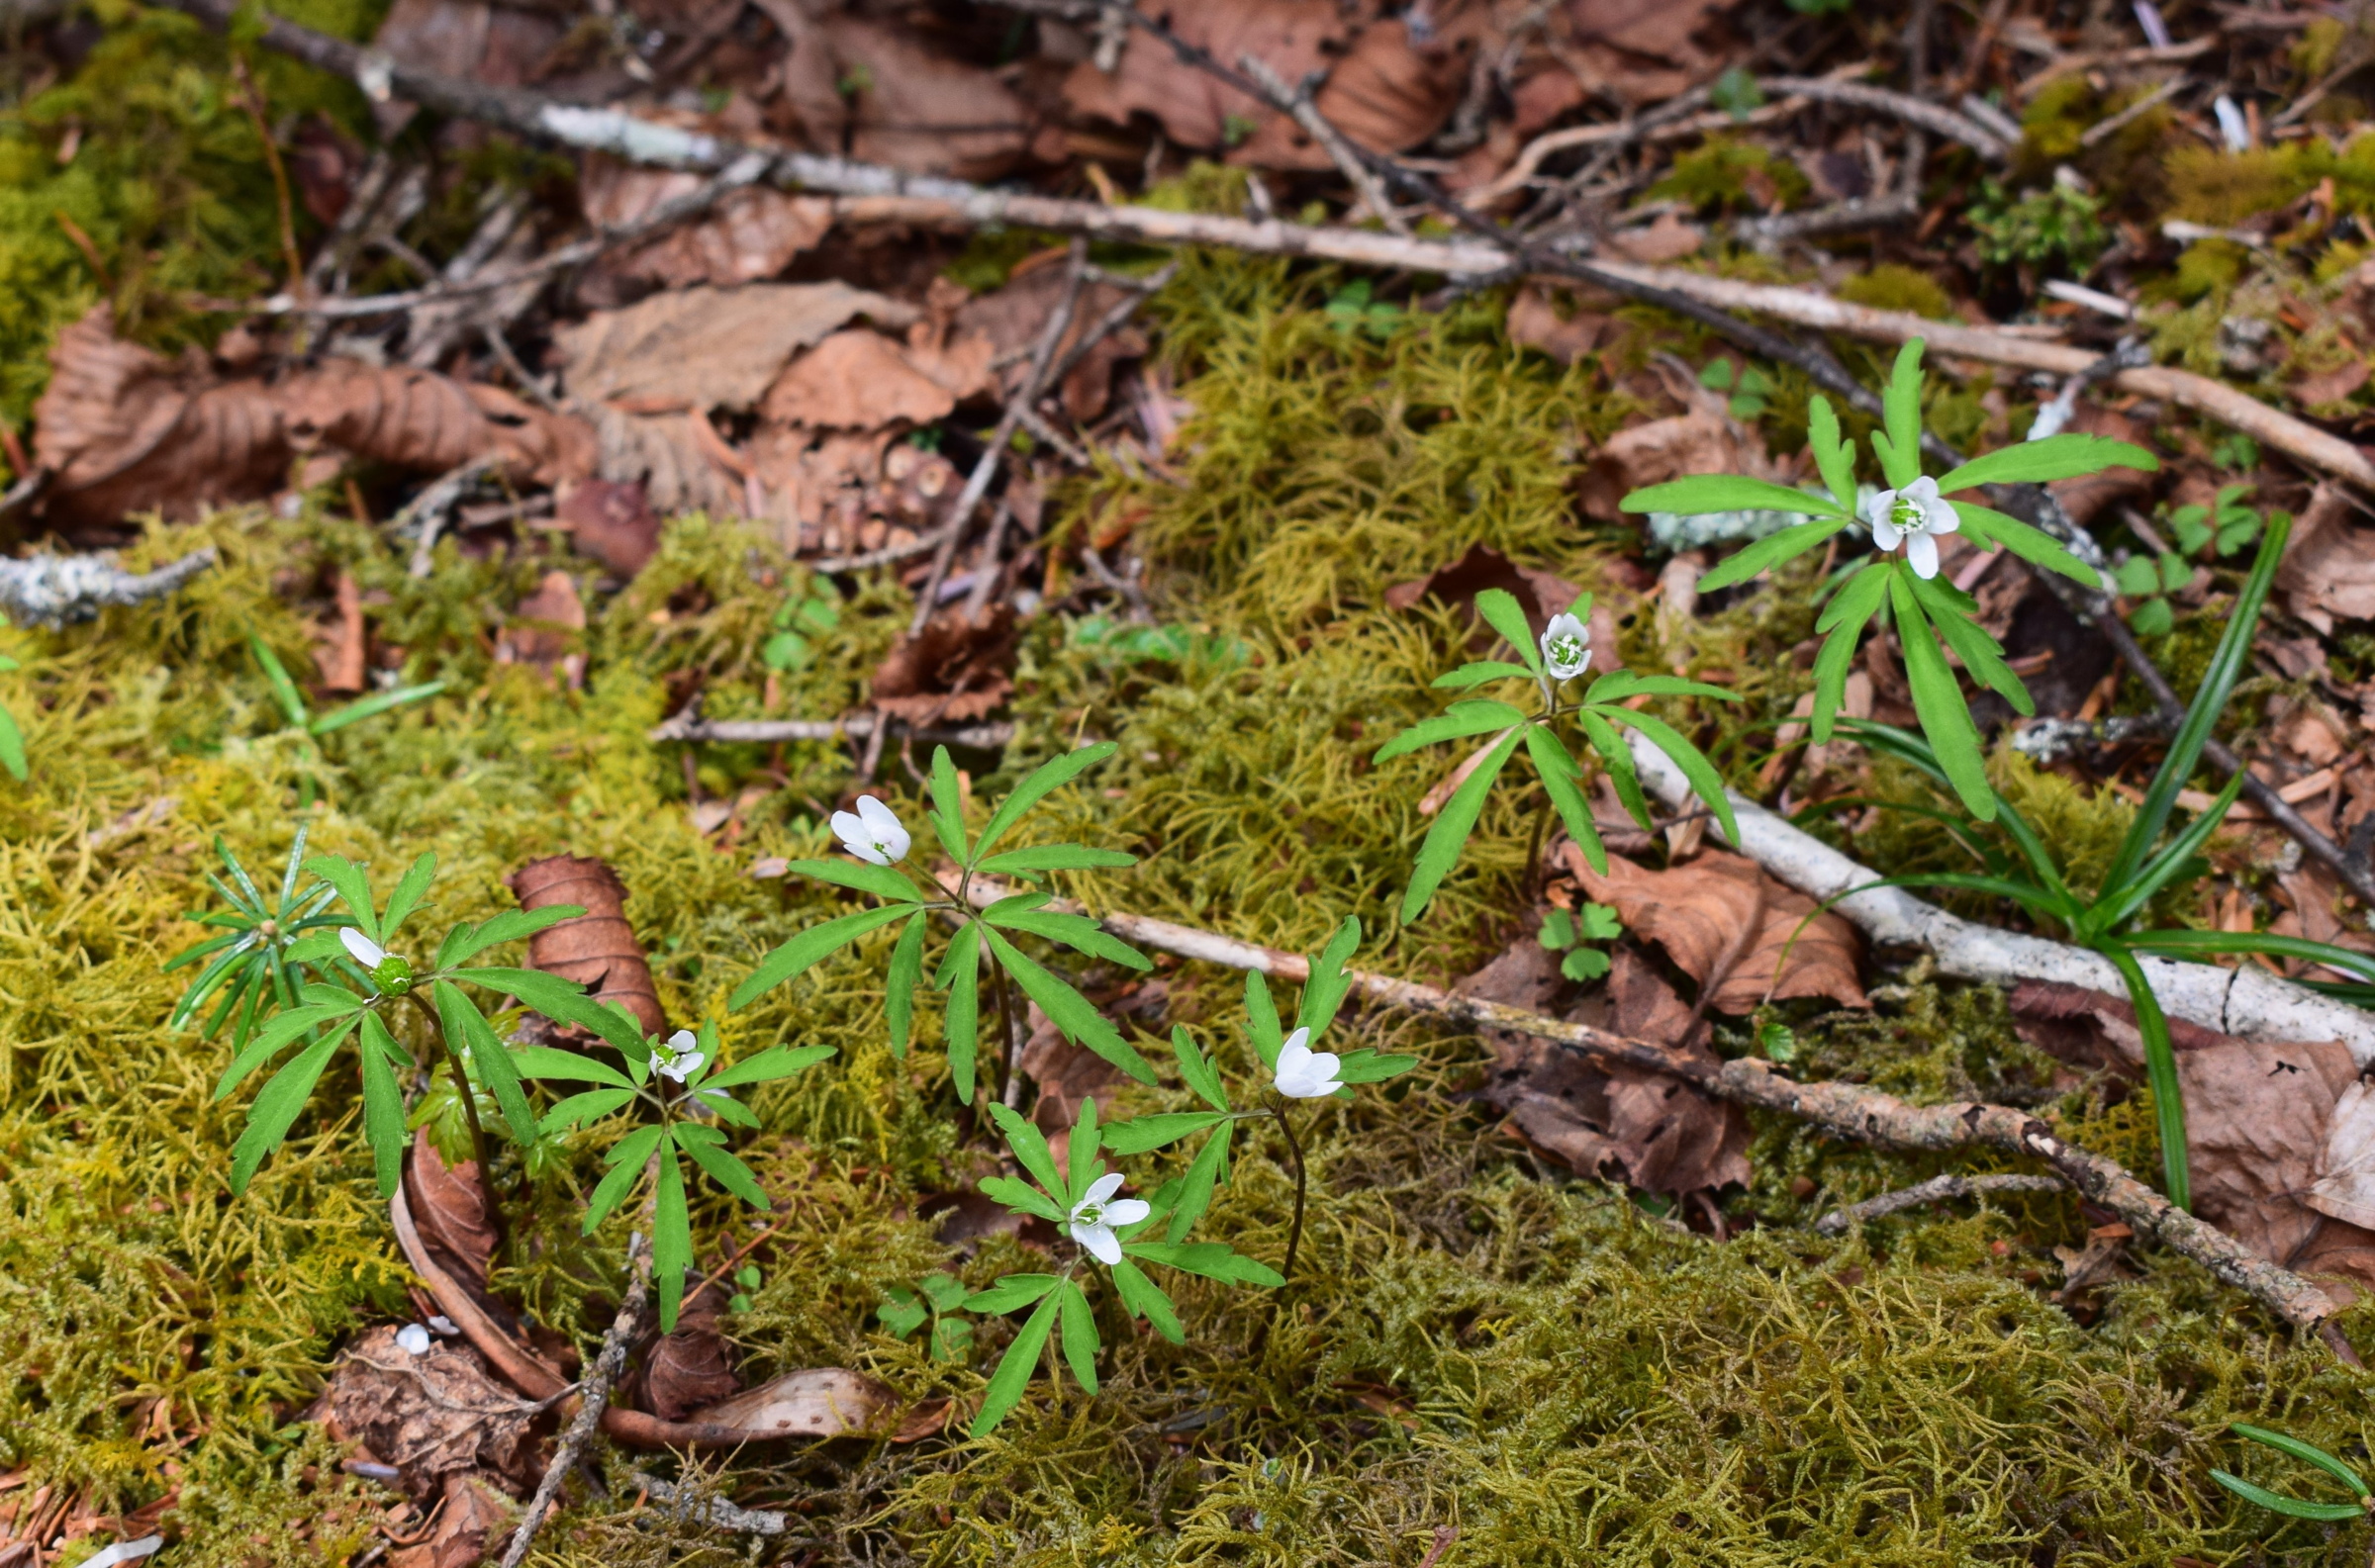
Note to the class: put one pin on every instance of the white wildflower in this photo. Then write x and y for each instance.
(872, 832)
(1912, 516)
(1567, 646)
(677, 1058)
(1094, 1218)
(1304, 1073)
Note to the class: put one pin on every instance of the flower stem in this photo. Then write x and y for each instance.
(1009, 1067)
(478, 1134)
(1295, 1232)
(1542, 824)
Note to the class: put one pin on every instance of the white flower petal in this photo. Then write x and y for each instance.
(1921, 553)
(883, 829)
(1102, 1188)
(413, 1340)
(1923, 490)
(1100, 1242)
(1940, 517)
(362, 949)
(849, 827)
(1887, 535)
(1127, 1210)
(1300, 1040)
(683, 1039)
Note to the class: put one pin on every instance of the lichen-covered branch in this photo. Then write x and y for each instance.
(1937, 1189)
(52, 590)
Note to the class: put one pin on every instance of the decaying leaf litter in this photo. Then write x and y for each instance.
(797, 463)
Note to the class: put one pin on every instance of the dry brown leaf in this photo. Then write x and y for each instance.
(1540, 594)
(1534, 323)
(613, 523)
(688, 1368)
(1660, 28)
(880, 94)
(432, 1415)
(2332, 386)
(1704, 440)
(752, 235)
(468, 39)
(450, 1211)
(2328, 571)
(597, 948)
(548, 631)
(123, 431)
(1292, 35)
(1013, 318)
(665, 456)
(1699, 912)
(1067, 1075)
(952, 671)
(858, 379)
(421, 421)
(470, 1519)
(2090, 496)
(964, 1220)
(702, 348)
(1389, 93)
(1667, 237)
(339, 641)
(1647, 1130)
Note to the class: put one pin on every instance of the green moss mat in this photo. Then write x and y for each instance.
(1562, 1375)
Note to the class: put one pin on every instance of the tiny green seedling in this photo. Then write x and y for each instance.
(1750, 388)
(1933, 618)
(875, 835)
(747, 1278)
(937, 1298)
(2294, 1507)
(1562, 653)
(250, 966)
(2224, 528)
(1354, 308)
(796, 623)
(313, 726)
(1566, 933)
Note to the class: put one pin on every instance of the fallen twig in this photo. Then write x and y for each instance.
(2249, 1002)
(426, 511)
(858, 726)
(717, 1513)
(593, 1393)
(52, 590)
(1848, 1110)
(1936, 1190)
(1296, 99)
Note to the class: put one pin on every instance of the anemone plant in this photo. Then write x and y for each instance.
(1562, 654)
(1933, 618)
(251, 965)
(879, 841)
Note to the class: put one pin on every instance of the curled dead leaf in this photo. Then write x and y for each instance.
(340, 650)
(824, 1401)
(885, 96)
(752, 235)
(434, 1414)
(1013, 318)
(1727, 923)
(471, 1516)
(2327, 573)
(1540, 594)
(702, 348)
(1537, 321)
(597, 948)
(953, 669)
(1389, 92)
(1293, 37)
(684, 1370)
(862, 380)
(449, 1205)
(546, 632)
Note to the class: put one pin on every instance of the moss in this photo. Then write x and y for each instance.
(1724, 172)
(1893, 286)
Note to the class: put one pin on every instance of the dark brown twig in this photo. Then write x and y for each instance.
(595, 1393)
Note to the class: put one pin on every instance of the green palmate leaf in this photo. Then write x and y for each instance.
(671, 1241)
(1144, 1300)
(1080, 1334)
(1847, 618)
(589, 1106)
(2289, 1506)
(1011, 1292)
(2308, 1453)
(1196, 1071)
(1078, 932)
(1209, 1168)
(1046, 778)
(276, 1109)
(563, 1001)
(961, 977)
(1023, 1196)
(1372, 1066)
(1326, 984)
(1144, 1133)
(1706, 492)
(1562, 780)
(278, 1033)
(1617, 757)
(1619, 684)
(899, 983)
(1502, 614)
(467, 1029)
(1211, 1260)
(1070, 1011)
(626, 1160)
(903, 1313)
(1452, 824)
(1769, 551)
(817, 942)
(2031, 544)
(1080, 1154)
(1705, 781)
(276, 674)
(1937, 701)
(706, 1146)
(353, 886)
(1980, 653)
(1031, 1147)
(1262, 1019)
(776, 1061)
(948, 805)
(2054, 457)
(1055, 858)
(884, 881)
(410, 888)
(1900, 447)
(1013, 1372)
(383, 1103)
(1458, 722)
(1834, 458)
(544, 1062)
(466, 941)
(1481, 674)
(372, 707)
